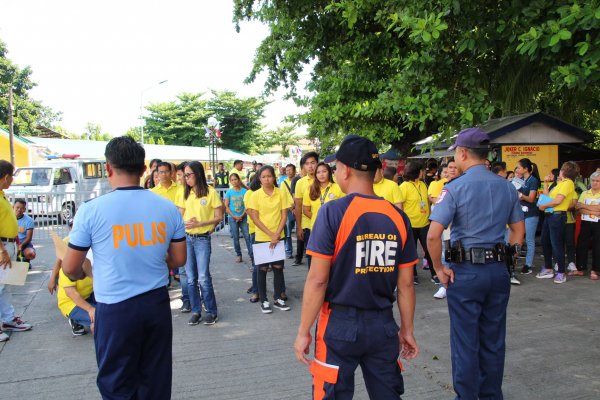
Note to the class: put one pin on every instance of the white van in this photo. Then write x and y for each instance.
(57, 187)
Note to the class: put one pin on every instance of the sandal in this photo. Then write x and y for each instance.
(593, 276)
(575, 273)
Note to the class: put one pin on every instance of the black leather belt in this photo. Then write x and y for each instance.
(198, 235)
(355, 310)
(5, 239)
(478, 255)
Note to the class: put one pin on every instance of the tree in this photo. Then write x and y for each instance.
(284, 137)
(399, 70)
(28, 113)
(184, 121)
(134, 133)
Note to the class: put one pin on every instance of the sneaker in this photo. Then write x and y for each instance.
(425, 264)
(571, 267)
(514, 280)
(265, 307)
(290, 257)
(16, 325)
(185, 308)
(283, 296)
(195, 319)
(440, 294)
(545, 274)
(435, 280)
(254, 298)
(416, 280)
(560, 278)
(280, 304)
(76, 329)
(210, 319)
(526, 270)
(296, 262)
(556, 267)
(3, 336)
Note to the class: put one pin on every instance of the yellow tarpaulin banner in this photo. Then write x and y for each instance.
(545, 156)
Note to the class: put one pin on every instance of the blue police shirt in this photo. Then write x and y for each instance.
(24, 223)
(479, 204)
(367, 240)
(129, 230)
(236, 201)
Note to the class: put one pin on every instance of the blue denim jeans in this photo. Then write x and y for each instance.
(185, 296)
(198, 275)
(531, 224)
(254, 289)
(290, 223)
(234, 229)
(81, 316)
(553, 240)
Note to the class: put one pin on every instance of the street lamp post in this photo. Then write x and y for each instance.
(212, 133)
(142, 107)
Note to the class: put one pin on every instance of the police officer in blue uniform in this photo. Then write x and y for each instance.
(362, 249)
(479, 205)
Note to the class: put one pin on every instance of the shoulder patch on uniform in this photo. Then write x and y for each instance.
(441, 196)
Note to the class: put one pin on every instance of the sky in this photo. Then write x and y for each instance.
(98, 61)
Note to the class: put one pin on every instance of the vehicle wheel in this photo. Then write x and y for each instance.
(67, 212)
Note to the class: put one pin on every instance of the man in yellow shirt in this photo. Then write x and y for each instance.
(308, 163)
(386, 188)
(8, 233)
(166, 187)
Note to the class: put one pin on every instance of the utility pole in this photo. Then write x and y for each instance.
(10, 126)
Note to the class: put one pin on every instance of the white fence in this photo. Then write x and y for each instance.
(52, 212)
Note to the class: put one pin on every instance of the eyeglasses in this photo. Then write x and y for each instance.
(164, 172)
(187, 175)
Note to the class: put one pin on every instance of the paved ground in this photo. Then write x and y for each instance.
(553, 337)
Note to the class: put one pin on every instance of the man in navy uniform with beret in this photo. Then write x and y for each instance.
(479, 205)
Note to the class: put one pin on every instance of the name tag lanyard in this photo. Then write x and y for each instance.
(421, 202)
(322, 198)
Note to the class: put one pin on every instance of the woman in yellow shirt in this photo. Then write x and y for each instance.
(201, 208)
(589, 208)
(553, 230)
(415, 203)
(322, 190)
(268, 208)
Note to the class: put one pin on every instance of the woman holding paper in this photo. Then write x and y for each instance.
(268, 209)
(589, 208)
(553, 230)
(527, 195)
(322, 190)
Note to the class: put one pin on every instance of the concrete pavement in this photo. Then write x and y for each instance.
(552, 345)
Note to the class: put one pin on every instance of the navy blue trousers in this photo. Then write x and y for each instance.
(477, 302)
(134, 347)
(345, 339)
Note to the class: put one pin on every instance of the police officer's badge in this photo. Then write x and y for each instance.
(203, 202)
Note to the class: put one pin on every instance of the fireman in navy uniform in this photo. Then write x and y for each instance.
(479, 205)
(362, 249)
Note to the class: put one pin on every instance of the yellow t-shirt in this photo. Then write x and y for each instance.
(571, 214)
(588, 195)
(415, 203)
(169, 194)
(301, 186)
(435, 187)
(285, 189)
(566, 188)
(202, 208)
(332, 192)
(251, 226)
(387, 189)
(179, 194)
(84, 287)
(8, 225)
(269, 211)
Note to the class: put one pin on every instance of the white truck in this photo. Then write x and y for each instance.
(57, 187)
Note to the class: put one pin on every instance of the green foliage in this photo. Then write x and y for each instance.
(28, 113)
(135, 133)
(397, 70)
(284, 136)
(160, 140)
(183, 121)
(150, 140)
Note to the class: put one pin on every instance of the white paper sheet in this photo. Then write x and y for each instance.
(15, 275)
(263, 254)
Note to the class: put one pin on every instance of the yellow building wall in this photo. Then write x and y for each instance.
(21, 151)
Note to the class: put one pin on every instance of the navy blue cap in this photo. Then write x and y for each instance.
(471, 138)
(359, 153)
(329, 159)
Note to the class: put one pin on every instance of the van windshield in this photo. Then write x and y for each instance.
(32, 177)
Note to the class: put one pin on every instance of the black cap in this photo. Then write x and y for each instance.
(359, 153)
(329, 159)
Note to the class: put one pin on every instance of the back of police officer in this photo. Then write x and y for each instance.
(362, 249)
(478, 205)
